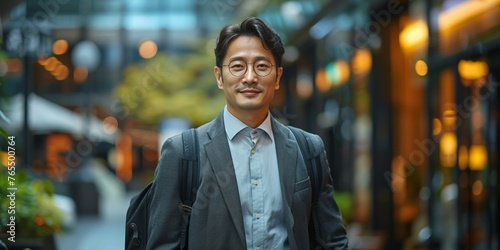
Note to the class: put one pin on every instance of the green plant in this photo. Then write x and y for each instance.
(171, 85)
(29, 206)
(345, 203)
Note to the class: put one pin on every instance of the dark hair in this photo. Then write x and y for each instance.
(251, 26)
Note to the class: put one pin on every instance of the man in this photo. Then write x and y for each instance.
(254, 190)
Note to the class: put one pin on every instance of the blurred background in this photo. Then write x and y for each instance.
(404, 94)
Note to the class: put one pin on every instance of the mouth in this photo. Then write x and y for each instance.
(250, 92)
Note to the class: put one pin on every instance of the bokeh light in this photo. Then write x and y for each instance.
(421, 68)
(80, 74)
(60, 47)
(148, 49)
(110, 125)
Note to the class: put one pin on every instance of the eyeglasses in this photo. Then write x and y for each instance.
(239, 67)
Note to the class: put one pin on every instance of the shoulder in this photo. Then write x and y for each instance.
(314, 141)
(172, 145)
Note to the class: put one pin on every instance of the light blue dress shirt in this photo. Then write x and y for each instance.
(257, 175)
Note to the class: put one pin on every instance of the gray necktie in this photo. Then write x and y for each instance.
(254, 136)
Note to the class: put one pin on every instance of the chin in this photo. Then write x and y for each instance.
(250, 106)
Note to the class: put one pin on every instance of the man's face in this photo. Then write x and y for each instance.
(248, 92)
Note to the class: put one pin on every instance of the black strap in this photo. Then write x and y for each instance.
(313, 164)
(311, 161)
(189, 166)
(189, 178)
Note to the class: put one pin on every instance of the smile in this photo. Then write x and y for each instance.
(249, 92)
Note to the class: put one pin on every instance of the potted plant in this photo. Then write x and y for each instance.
(29, 215)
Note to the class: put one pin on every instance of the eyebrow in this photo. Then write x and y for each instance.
(243, 59)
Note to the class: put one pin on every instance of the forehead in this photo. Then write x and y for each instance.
(247, 47)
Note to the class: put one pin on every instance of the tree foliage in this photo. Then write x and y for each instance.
(171, 85)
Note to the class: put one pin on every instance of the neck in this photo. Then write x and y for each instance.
(251, 118)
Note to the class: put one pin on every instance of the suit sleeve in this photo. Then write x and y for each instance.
(330, 230)
(165, 221)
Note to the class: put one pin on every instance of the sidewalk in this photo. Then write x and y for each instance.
(105, 231)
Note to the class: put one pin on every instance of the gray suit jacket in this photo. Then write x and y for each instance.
(216, 219)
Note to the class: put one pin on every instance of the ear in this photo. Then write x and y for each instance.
(278, 78)
(218, 77)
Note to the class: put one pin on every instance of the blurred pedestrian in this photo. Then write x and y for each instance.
(255, 192)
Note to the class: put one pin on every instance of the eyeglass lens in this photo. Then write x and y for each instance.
(261, 67)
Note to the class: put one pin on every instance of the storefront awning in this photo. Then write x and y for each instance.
(46, 117)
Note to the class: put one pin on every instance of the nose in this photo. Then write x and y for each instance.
(250, 75)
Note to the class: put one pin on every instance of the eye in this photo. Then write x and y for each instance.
(237, 65)
(262, 65)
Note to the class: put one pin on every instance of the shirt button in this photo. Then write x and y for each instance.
(257, 248)
(255, 182)
(257, 216)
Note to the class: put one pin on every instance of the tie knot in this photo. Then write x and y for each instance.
(254, 134)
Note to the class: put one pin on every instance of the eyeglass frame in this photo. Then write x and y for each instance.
(246, 68)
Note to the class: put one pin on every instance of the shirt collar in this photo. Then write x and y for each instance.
(233, 126)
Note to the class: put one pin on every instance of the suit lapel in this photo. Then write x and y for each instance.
(287, 153)
(219, 156)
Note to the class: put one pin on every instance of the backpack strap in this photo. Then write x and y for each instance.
(189, 173)
(311, 159)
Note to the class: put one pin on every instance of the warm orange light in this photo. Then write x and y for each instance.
(4, 156)
(61, 72)
(57, 147)
(322, 83)
(477, 187)
(124, 157)
(148, 49)
(342, 73)
(413, 35)
(448, 143)
(477, 157)
(471, 70)
(448, 147)
(60, 47)
(361, 62)
(449, 118)
(80, 74)
(463, 12)
(437, 127)
(43, 61)
(335, 74)
(421, 68)
(416, 33)
(51, 64)
(39, 220)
